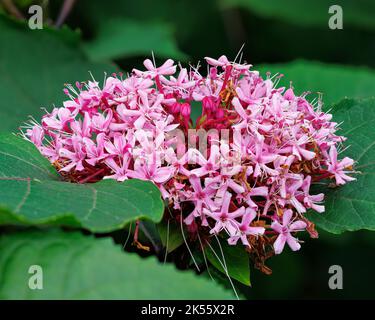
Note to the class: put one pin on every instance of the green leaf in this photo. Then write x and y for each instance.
(235, 257)
(31, 193)
(170, 234)
(34, 65)
(310, 13)
(188, 26)
(336, 82)
(196, 111)
(83, 267)
(352, 206)
(121, 38)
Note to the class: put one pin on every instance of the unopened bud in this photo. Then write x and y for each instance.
(185, 110)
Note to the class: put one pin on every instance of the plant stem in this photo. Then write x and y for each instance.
(65, 10)
(12, 9)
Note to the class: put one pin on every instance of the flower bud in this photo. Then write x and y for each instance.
(175, 108)
(209, 104)
(185, 110)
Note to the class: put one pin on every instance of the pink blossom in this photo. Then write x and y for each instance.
(225, 220)
(211, 164)
(36, 135)
(311, 201)
(244, 228)
(261, 157)
(120, 170)
(299, 151)
(151, 169)
(200, 197)
(255, 192)
(57, 119)
(118, 147)
(167, 68)
(224, 62)
(285, 230)
(101, 122)
(82, 128)
(221, 62)
(75, 157)
(95, 151)
(249, 121)
(338, 167)
(275, 145)
(182, 81)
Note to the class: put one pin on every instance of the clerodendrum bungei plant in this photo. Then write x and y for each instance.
(242, 171)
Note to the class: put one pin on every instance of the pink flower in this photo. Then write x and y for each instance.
(255, 192)
(261, 158)
(166, 69)
(100, 122)
(299, 150)
(209, 165)
(244, 228)
(274, 146)
(95, 151)
(338, 167)
(119, 146)
(249, 121)
(151, 169)
(200, 197)
(292, 188)
(36, 135)
(221, 62)
(58, 119)
(225, 220)
(147, 110)
(222, 184)
(120, 171)
(75, 157)
(82, 128)
(52, 150)
(182, 81)
(285, 230)
(311, 201)
(289, 94)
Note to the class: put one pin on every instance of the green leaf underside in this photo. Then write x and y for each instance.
(34, 66)
(335, 82)
(31, 193)
(236, 260)
(352, 206)
(82, 267)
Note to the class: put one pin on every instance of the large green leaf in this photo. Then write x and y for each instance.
(230, 260)
(335, 82)
(34, 65)
(82, 267)
(311, 13)
(352, 207)
(31, 193)
(121, 38)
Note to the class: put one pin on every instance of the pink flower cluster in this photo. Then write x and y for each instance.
(253, 185)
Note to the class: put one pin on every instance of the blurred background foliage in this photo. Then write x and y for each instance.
(287, 36)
